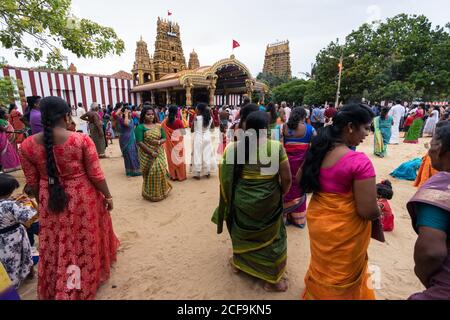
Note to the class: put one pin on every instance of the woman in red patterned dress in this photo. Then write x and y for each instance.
(77, 243)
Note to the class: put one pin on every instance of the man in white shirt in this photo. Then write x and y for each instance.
(397, 112)
(81, 124)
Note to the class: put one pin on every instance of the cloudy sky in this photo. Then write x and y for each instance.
(208, 26)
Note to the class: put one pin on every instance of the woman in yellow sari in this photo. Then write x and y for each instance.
(150, 138)
(343, 205)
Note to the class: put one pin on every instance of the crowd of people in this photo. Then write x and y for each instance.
(273, 157)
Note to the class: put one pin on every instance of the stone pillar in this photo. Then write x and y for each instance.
(188, 96)
(152, 98)
(168, 98)
(249, 85)
(212, 90)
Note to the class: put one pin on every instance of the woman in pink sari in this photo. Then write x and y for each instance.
(9, 158)
(297, 137)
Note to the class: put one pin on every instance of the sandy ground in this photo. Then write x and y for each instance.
(170, 250)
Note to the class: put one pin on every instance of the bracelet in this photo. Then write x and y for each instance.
(108, 199)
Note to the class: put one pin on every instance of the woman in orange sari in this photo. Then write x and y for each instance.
(174, 145)
(15, 119)
(343, 205)
(426, 171)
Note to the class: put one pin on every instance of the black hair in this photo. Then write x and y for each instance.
(297, 115)
(273, 112)
(326, 140)
(2, 113)
(7, 184)
(246, 111)
(443, 135)
(173, 111)
(144, 112)
(256, 122)
(246, 101)
(53, 109)
(384, 190)
(204, 111)
(384, 113)
(12, 106)
(398, 101)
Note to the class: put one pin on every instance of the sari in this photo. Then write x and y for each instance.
(435, 192)
(128, 146)
(382, 135)
(253, 215)
(174, 147)
(9, 158)
(426, 171)
(295, 199)
(156, 187)
(333, 220)
(415, 131)
(15, 120)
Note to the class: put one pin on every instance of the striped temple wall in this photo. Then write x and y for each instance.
(73, 87)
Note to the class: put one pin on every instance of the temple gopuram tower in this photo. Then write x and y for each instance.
(169, 56)
(278, 60)
(194, 63)
(143, 70)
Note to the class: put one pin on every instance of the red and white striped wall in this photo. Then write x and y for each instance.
(72, 87)
(230, 99)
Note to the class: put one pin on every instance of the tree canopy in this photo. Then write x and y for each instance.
(401, 58)
(32, 28)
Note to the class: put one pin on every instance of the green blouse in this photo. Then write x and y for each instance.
(140, 131)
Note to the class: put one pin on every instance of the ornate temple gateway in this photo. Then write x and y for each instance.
(165, 79)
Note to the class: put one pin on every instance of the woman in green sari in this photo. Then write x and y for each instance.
(383, 125)
(251, 204)
(150, 138)
(415, 131)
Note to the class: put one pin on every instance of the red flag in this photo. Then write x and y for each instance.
(169, 13)
(236, 44)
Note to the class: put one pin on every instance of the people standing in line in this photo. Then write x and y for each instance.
(342, 209)
(415, 131)
(432, 120)
(63, 168)
(251, 204)
(128, 144)
(203, 154)
(430, 214)
(150, 138)
(397, 112)
(174, 146)
(383, 131)
(16, 120)
(96, 129)
(297, 136)
(9, 159)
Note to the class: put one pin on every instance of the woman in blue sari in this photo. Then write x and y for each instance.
(127, 142)
(383, 125)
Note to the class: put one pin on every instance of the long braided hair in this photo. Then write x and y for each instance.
(52, 110)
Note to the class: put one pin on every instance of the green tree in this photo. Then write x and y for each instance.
(34, 28)
(404, 56)
(294, 91)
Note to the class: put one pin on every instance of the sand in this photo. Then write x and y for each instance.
(170, 250)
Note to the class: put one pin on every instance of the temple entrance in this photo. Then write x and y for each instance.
(231, 85)
(200, 95)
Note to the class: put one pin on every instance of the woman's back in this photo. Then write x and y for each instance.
(304, 133)
(74, 158)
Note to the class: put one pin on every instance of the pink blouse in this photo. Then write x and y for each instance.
(339, 178)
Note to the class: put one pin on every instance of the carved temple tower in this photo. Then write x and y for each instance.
(169, 56)
(194, 63)
(278, 60)
(143, 70)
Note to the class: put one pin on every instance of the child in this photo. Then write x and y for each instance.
(385, 193)
(109, 132)
(26, 199)
(15, 248)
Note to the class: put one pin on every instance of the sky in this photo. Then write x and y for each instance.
(209, 26)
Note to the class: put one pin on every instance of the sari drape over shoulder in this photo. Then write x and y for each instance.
(426, 171)
(174, 147)
(339, 238)
(254, 218)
